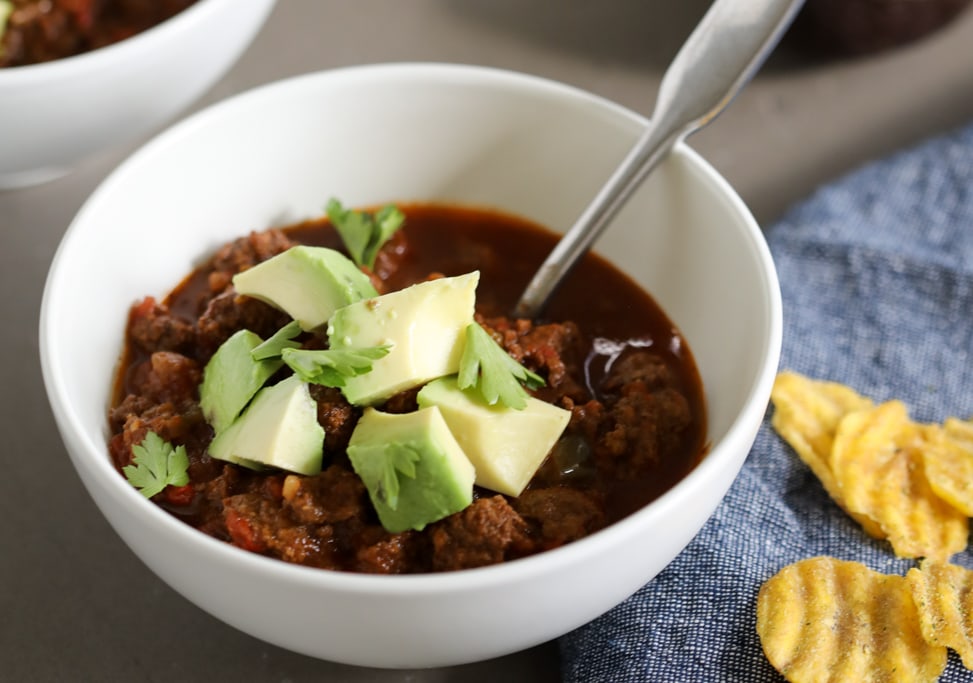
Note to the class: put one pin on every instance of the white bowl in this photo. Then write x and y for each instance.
(55, 114)
(410, 132)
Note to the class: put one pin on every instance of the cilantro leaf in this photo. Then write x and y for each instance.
(486, 367)
(362, 232)
(398, 459)
(331, 367)
(276, 343)
(157, 465)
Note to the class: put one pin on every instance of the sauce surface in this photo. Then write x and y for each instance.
(609, 354)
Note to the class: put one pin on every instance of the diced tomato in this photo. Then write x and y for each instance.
(181, 496)
(242, 532)
(83, 11)
(143, 308)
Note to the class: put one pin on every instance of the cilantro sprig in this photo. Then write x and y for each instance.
(284, 338)
(399, 460)
(332, 367)
(363, 232)
(486, 367)
(157, 464)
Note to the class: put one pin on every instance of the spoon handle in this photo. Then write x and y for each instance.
(721, 55)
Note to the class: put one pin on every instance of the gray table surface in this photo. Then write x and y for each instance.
(76, 605)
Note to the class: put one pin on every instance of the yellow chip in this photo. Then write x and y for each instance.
(823, 619)
(959, 431)
(806, 415)
(948, 458)
(943, 594)
(878, 464)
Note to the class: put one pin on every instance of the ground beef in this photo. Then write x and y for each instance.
(246, 252)
(44, 30)
(553, 351)
(230, 312)
(559, 515)
(379, 552)
(322, 521)
(403, 402)
(162, 398)
(152, 327)
(308, 545)
(335, 495)
(221, 310)
(336, 416)
(166, 376)
(645, 422)
(487, 532)
(638, 366)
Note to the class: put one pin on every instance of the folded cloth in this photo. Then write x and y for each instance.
(876, 274)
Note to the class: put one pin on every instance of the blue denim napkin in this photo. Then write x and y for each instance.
(876, 272)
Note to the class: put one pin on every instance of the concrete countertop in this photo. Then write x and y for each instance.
(77, 605)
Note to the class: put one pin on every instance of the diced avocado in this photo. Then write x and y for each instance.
(279, 429)
(232, 377)
(414, 470)
(6, 9)
(425, 326)
(307, 283)
(506, 446)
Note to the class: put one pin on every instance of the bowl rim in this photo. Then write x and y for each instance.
(741, 428)
(122, 51)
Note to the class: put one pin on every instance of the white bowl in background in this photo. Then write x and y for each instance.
(400, 133)
(54, 114)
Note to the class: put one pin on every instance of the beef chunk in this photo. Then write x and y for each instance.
(336, 416)
(152, 327)
(248, 251)
(552, 350)
(253, 521)
(334, 495)
(641, 366)
(379, 552)
(162, 400)
(166, 377)
(230, 312)
(641, 428)
(403, 402)
(484, 533)
(560, 515)
(308, 545)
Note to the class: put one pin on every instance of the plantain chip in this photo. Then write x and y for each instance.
(943, 594)
(806, 415)
(878, 462)
(948, 458)
(823, 619)
(960, 431)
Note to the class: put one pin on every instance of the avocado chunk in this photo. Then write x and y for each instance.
(279, 429)
(307, 283)
(232, 377)
(414, 470)
(506, 446)
(425, 326)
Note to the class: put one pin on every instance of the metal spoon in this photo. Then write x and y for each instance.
(719, 58)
